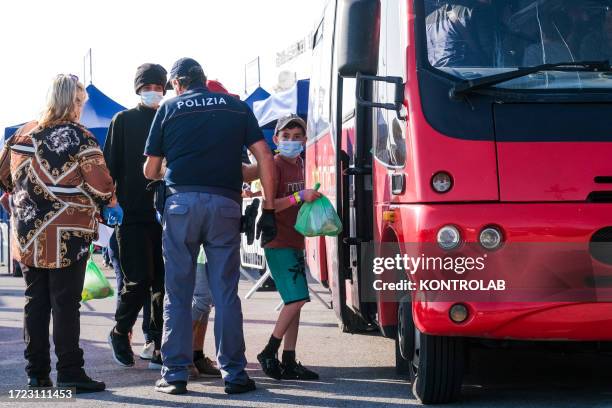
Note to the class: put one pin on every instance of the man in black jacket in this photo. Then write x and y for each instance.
(140, 235)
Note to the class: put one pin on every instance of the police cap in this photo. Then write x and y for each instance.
(182, 68)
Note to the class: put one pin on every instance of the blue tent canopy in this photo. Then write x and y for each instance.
(303, 86)
(97, 114)
(8, 132)
(294, 100)
(257, 95)
(271, 108)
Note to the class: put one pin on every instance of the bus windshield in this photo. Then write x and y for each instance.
(476, 38)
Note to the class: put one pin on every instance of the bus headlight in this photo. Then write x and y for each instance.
(491, 238)
(442, 182)
(449, 237)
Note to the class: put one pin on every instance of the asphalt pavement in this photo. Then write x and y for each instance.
(356, 370)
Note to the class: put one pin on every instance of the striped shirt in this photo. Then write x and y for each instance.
(58, 182)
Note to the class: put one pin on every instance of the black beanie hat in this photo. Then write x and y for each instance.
(147, 74)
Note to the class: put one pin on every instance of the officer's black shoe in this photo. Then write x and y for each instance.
(296, 371)
(40, 382)
(121, 348)
(270, 365)
(172, 387)
(234, 388)
(82, 382)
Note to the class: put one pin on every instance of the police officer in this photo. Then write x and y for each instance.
(200, 134)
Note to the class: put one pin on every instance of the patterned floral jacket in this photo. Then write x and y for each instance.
(58, 181)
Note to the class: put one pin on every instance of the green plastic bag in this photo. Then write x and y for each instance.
(318, 218)
(96, 285)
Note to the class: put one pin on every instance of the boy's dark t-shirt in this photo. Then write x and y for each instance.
(290, 179)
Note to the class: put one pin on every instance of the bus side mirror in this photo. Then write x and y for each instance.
(359, 37)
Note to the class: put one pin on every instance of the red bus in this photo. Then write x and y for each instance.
(464, 126)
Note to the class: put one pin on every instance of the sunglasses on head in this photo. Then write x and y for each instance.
(71, 76)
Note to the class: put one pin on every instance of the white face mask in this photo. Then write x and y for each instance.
(151, 98)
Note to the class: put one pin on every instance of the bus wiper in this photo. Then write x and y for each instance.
(463, 88)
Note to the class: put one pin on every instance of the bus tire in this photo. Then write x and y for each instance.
(404, 339)
(438, 364)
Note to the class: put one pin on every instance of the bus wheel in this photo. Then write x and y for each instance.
(404, 339)
(437, 368)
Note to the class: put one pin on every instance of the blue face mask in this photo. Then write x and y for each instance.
(151, 98)
(290, 149)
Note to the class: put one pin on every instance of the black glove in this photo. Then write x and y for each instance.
(247, 222)
(266, 227)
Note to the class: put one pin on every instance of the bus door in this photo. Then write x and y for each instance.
(356, 170)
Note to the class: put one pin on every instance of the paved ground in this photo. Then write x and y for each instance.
(356, 371)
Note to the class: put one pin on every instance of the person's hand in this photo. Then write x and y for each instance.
(266, 227)
(309, 196)
(113, 215)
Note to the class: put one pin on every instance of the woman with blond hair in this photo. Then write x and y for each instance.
(58, 182)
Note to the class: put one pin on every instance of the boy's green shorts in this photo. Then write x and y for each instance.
(289, 274)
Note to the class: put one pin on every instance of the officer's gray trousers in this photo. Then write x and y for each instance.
(192, 219)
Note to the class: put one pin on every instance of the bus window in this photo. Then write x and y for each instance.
(475, 38)
(320, 80)
(348, 98)
(389, 136)
(390, 146)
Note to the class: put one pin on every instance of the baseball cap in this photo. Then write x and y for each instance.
(285, 121)
(148, 74)
(181, 68)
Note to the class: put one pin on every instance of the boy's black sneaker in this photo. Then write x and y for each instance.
(296, 371)
(40, 382)
(121, 348)
(172, 387)
(270, 365)
(233, 388)
(82, 382)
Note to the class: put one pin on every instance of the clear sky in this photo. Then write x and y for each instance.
(39, 39)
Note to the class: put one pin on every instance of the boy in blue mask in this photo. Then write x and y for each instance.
(285, 254)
